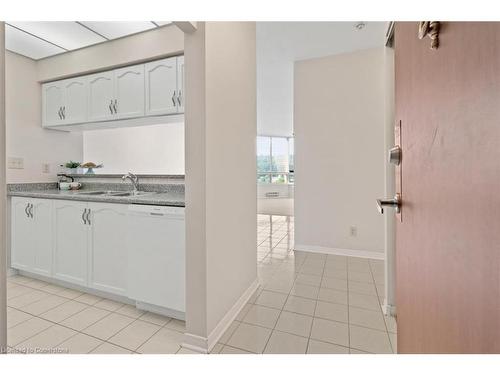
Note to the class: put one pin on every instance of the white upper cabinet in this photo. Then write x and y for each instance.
(161, 87)
(180, 83)
(135, 93)
(101, 97)
(75, 100)
(52, 104)
(129, 92)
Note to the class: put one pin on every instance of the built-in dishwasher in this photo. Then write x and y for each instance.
(156, 239)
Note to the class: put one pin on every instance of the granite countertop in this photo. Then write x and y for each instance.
(173, 197)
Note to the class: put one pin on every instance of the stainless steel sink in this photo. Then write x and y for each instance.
(132, 193)
(117, 193)
(97, 192)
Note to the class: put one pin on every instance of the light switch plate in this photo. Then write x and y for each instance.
(15, 163)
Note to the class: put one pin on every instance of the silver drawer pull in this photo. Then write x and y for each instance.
(155, 214)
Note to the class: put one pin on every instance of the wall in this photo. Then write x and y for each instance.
(3, 203)
(274, 97)
(168, 40)
(221, 223)
(390, 184)
(155, 149)
(339, 140)
(25, 136)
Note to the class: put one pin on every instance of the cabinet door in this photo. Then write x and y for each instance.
(100, 96)
(161, 87)
(108, 248)
(75, 100)
(22, 253)
(52, 103)
(180, 84)
(42, 235)
(70, 242)
(129, 91)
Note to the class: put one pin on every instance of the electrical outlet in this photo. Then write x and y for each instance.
(15, 163)
(45, 168)
(353, 231)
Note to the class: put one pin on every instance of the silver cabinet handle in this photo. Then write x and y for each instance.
(26, 210)
(30, 210)
(179, 98)
(64, 112)
(83, 216)
(111, 106)
(59, 113)
(173, 98)
(88, 217)
(394, 203)
(115, 105)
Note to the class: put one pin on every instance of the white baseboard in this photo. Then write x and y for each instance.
(389, 310)
(345, 252)
(205, 344)
(11, 272)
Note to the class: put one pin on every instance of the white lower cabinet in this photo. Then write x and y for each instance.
(108, 248)
(71, 233)
(126, 250)
(31, 235)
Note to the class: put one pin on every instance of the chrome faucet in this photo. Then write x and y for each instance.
(133, 178)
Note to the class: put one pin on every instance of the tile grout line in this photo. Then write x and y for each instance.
(316, 305)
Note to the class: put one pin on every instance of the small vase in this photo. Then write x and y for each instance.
(90, 171)
(72, 170)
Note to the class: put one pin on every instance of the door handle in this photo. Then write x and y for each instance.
(115, 105)
(26, 210)
(30, 210)
(394, 203)
(179, 98)
(64, 112)
(88, 217)
(83, 216)
(111, 106)
(59, 113)
(173, 98)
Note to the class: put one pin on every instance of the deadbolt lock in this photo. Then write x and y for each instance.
(395, 155)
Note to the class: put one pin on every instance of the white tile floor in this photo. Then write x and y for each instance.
(46, 318)
(307, 303)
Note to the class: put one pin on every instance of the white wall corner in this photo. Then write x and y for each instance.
(186, 26)
(205, 344)
(368, 254)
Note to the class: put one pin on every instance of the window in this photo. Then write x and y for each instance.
(275, 160)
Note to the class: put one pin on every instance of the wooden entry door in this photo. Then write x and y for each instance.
(448, 243)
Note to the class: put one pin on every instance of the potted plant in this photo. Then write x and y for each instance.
(72, 167)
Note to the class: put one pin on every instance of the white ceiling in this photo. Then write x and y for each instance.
(291, 41)
(37, 40)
